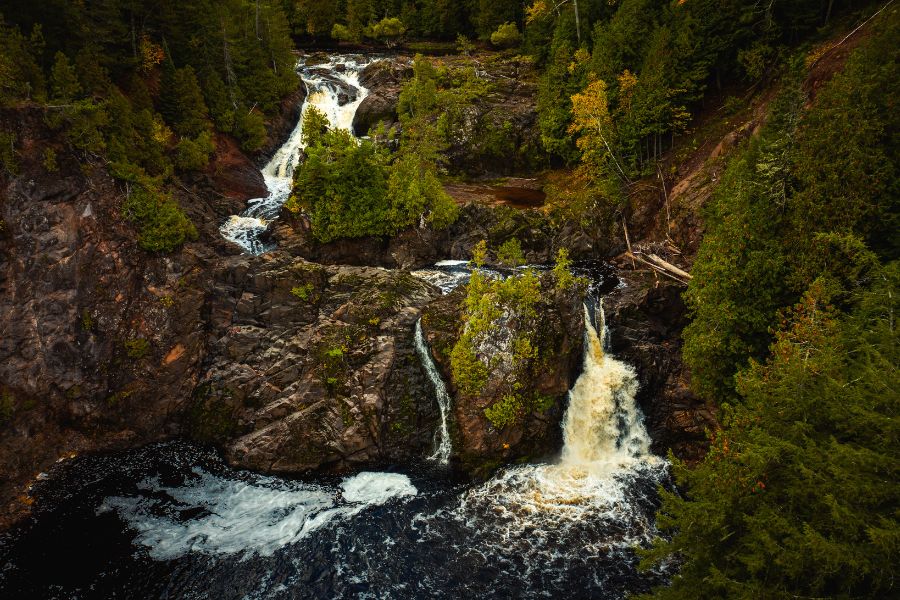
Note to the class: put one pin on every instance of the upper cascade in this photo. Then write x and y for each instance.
(334, 89)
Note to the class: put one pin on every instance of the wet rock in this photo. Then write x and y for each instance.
(384, 80)
(558, 332)
(99, 340)
(314, 367)
(282, 124)
(646, 316)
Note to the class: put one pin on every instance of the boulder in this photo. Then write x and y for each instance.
(646, 316)
(384, 80)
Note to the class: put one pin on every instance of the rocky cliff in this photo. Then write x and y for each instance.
(540, 388)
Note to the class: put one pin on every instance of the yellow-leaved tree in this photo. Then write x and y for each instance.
(592, 123)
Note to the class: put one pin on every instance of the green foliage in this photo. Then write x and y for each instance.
(343, 33)
(464, 45)
(562, 273)
(343, 187)
(793, 332)
(163, 226)
(331, 355)
(8, 159)
(193, 155)
(7, 406)
(506, 36)
(182, 102)
(389, 30)
(250, 130)
(20, 75)
(510, 253)
(505, 411)
(304, 292)
(87, 321)
(64, 85)
(798, 495)
(237, 55)
(440, 96)
(49, 160)
(137, 348)
(352, 188)
(490, 305)
(315, 125)
(772, 223)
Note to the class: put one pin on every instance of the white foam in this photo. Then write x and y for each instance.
(376, 488)
(212, 514)
(451, 263)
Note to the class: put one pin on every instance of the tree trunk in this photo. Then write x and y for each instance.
(577, 22)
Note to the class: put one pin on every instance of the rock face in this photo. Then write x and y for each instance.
(281, 125)
(558, 334)
(313, 366)
(646, 317)
(420, 247)
(383, 79)
(99, 340)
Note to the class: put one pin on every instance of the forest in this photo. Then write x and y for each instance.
(792, 300)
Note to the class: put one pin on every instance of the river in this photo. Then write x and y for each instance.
(172, 520)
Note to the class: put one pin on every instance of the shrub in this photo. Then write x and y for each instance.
(506, 36)
(50, 160)
(304, 292)
(510, 253)
(250, 130)
(389, 31)
(137, 348)
(193, 155)
(162, 224)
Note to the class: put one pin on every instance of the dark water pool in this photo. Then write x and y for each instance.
(173, 521)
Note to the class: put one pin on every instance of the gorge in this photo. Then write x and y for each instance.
(406, 299)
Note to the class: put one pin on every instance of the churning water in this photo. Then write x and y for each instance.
(171, 520)
(333, 88)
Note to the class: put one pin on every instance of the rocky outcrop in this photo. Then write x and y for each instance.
(282, 124)
(558, 335)
(419, 247)
(383, 79)
(313, 367)
(646, 316)
(99, 340)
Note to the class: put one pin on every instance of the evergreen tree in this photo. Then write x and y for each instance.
(181, 102)
(64, 85)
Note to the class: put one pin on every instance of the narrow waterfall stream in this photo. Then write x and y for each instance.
(332, 87)
(443, 447)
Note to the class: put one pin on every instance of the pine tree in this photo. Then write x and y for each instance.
(64, 85)
(182, 102)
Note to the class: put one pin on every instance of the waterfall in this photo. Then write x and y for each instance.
(602, 426)
(444, 446)
(334, 89)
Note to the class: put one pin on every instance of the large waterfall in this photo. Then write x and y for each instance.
(333, 88)
(603, 428)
